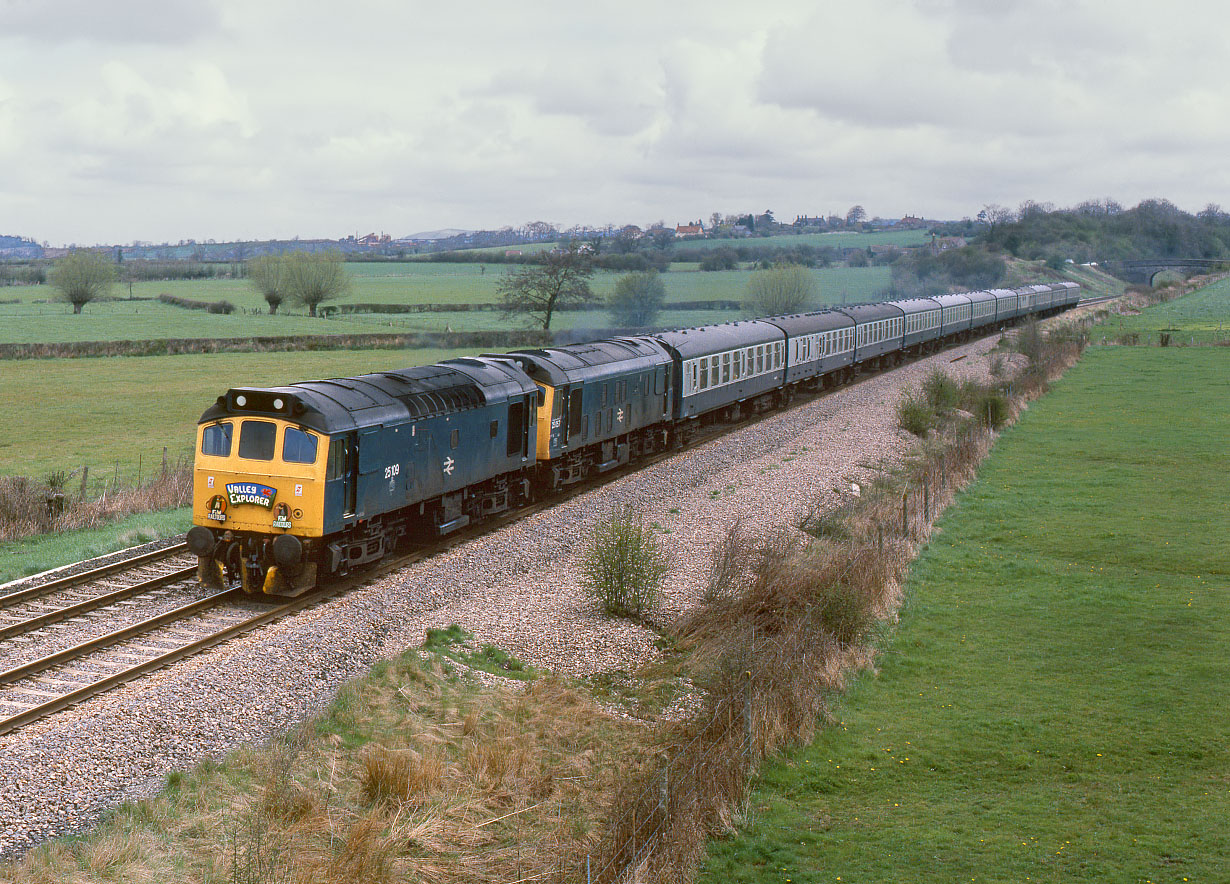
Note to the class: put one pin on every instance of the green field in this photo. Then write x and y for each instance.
(1052, 706)
(36, 318)
(62, 414)
(1202, 317)
(839, 239)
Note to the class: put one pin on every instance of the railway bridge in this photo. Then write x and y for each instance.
(1145, 270)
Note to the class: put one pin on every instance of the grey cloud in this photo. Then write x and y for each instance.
(122, 21)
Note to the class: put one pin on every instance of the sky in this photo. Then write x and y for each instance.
(162, 120)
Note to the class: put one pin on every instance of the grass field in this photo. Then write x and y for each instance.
(66, 413)
(37, 319)
(1052, 706)
(840, 239)
(1202, 317)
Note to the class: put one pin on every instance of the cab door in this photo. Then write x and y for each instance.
(341, 486)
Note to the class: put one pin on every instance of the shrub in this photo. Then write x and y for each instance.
(624, 566)
(914, 415)
(941, 392)
(1031, 341)
(991, 409)
(225, 307)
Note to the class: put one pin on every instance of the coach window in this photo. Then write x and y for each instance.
(738, 365)
(216, 440)
(694, 378)
(256, 440)
(298, 446)
(704, 373)
(725, 368)
(760, 359)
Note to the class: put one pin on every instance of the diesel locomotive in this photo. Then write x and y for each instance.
(293, 484)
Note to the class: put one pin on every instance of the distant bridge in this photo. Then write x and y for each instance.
(1145, 270)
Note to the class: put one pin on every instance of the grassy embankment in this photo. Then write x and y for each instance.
(1051, 707)
(1202, 317)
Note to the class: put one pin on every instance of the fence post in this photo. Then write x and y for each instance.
(164, 461)
(905, 513)
(85, 474)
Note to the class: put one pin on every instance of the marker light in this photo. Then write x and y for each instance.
(241, 400)
(277, 404)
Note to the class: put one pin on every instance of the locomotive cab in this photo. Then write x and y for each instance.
(260, 533)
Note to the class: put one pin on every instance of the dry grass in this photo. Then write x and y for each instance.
(29, 508)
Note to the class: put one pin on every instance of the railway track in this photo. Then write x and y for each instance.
(39, 687)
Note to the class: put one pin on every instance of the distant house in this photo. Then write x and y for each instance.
(512, 253)
(945, 243)
(693, 229)
(910, 222)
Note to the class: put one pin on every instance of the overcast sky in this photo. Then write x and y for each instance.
(171, 119)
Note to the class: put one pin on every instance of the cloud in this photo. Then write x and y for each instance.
(119, 21)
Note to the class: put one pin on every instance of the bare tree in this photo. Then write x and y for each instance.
(83, 276)
(268, 274)
(538, 290)
(994, 215)
(311, 278)
(784, 289)
(856, 215)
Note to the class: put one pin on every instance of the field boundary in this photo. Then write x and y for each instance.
(275, 343)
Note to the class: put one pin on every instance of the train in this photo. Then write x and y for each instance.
(298, 484)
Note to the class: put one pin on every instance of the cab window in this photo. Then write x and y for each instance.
(298, 446)
(256, 440)
(216, 440)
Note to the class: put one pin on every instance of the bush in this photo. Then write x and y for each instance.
(225, 307)
(914, 415)
(624, 566)
(941, 392)
(991, 409)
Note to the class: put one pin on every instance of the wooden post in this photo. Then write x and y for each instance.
(85, 474)
(905, 514)
(164, 461)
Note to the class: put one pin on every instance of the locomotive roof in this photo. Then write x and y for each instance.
(595, 360)
(340, 404)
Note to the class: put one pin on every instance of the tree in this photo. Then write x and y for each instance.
(537, 291)
(784, 289)
(721, 258)
(268, 274)
(637, 299)
(83, 276)
(994, 215)
(311, 278)
(856, 215)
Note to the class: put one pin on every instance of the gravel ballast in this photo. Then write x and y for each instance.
(517, 588)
